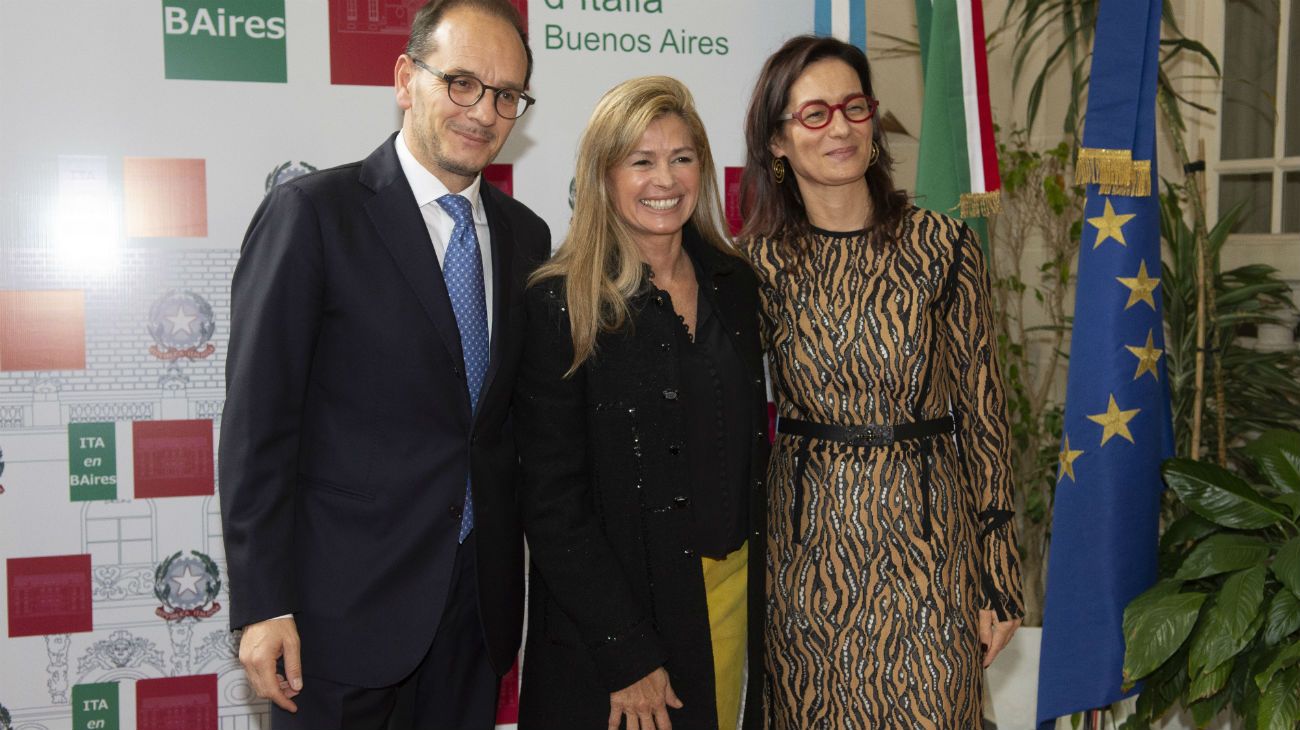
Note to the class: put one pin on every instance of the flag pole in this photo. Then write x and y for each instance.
(1198, 402)
(1220, 416)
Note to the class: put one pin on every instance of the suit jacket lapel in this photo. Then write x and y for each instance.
(401, 228)
(503, 248)
(735, 311)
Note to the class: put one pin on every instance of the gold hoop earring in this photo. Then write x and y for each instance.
(778, 170)
(875, 154)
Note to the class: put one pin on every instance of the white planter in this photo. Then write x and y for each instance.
(1012, 681)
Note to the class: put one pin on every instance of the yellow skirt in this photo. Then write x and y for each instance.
(725, 589)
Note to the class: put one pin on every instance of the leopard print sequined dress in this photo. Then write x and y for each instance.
(880, 558)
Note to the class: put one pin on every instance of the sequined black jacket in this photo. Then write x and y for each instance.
(616, 589)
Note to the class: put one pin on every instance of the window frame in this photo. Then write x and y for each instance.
(1208, 127)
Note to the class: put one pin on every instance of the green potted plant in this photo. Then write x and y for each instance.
(1221, 629)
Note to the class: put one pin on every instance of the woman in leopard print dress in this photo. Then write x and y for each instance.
(892, 573)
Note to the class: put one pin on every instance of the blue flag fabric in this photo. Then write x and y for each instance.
(851, 26)
(1118, 426)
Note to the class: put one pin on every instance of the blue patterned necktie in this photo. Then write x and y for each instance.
(462, 269)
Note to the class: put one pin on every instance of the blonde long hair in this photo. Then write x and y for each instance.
(598, 261)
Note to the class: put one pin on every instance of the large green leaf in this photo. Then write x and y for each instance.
(1241, 599)
(1279, 705)
(1235, 617)
(1291, 500)
(1221, 496)
(1209, 683)
(1277, 453)
(1221, 554)
(1287, 657)
(1188, 528)
(1163, 687)
(1286, 566)
(1203, 711)
(1283, 616)
(1154, 629)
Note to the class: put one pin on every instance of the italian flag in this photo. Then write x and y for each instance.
(958, 163)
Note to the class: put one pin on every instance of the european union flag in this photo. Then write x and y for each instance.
(1117, 417)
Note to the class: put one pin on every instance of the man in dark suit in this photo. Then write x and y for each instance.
(367, 465)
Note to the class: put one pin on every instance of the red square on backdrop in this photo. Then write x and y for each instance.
(42, 330)
(366, 37)
(165, 197)
(522, 7)
(731, 180)
(508, 697)
(502, 178)
(173, 458)
(176, 703)
(49, 595)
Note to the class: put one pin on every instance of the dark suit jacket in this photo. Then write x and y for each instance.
(347, 435)
(616, 588)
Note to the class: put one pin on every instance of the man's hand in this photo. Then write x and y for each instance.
(995, 634)
(263, 643)
(645, 703)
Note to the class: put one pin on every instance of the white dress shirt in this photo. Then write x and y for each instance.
(427, 190)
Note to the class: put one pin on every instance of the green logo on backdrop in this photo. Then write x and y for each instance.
(92, 461)
(94, 706)
(224, 40)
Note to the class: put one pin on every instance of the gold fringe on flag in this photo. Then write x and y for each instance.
(1138, 185)
(981, 205)
(1103, 167)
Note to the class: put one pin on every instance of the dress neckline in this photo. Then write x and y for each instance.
(840, 234)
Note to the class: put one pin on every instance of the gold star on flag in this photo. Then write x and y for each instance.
(1140, 287)
(1114, 421)
(1147, 357)
(1110, 225)
(1067, 458)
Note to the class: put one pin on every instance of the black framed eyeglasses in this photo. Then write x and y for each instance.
(816, 114)
(465, 90)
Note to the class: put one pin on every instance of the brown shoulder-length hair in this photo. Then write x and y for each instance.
(773, 210)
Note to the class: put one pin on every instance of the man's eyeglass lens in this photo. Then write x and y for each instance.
(467, 90)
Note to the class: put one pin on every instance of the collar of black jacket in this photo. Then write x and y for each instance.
(704, 255)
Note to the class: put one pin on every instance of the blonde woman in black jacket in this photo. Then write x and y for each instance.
(642, 429)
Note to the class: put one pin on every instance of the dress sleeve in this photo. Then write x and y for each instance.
(566, 539)
(983, 434)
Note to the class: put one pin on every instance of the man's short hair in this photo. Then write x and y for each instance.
(426, 21)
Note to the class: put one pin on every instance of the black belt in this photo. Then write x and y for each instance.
(866, 436)
(870, 436)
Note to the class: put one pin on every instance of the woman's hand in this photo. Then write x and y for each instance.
(995, 634)
(645, 703)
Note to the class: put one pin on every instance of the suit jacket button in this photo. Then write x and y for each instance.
(455, 510)
(670, 394)
(688, 553)
(681, 502)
